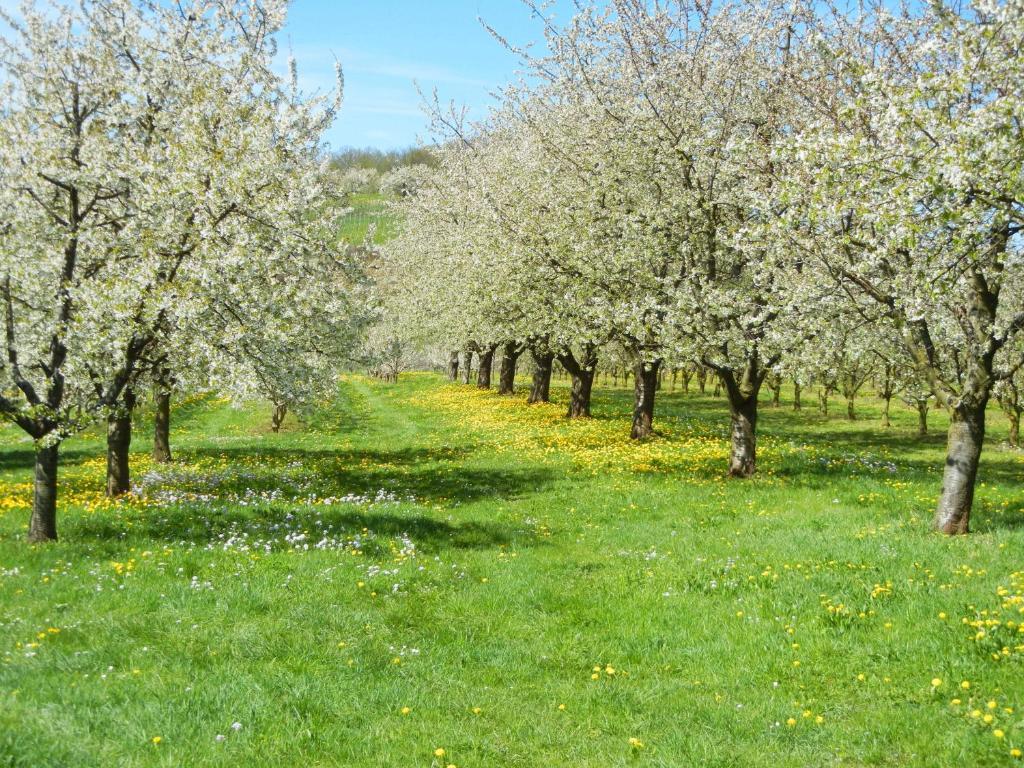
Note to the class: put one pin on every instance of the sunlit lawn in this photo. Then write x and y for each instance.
(426, 567)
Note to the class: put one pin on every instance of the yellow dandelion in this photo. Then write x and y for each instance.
(936, 682)
(439, 752)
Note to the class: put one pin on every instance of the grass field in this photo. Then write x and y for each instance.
(425, 567)
(368, 209)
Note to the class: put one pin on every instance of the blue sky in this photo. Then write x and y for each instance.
(386, 45)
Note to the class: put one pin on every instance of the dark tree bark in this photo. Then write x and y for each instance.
(483, 376)
(467, 365)
(686, 373)
(278, 416)
(1014, 436)
(119, 443)
(743, 390)
(797, 405)
(702, 379)
(453, 367)
(582, 373)
(510, 352)
(43, 523)
(963, 451)
(645, 378)
(543, 359)
(162, 427)
(775, 385)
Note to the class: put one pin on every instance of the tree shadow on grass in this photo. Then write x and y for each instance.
(425, 473)
(286, 527)
(989, 518)
(13, 459)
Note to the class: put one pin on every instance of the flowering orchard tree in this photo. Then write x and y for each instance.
(146, 149)
(666, 119)
(908, 200)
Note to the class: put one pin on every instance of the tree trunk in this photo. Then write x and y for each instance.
(797, 405)
(742, 394)
(823, 401)
(467, 365)
(886, 402)
(776, 387)
(702, 380)
(963, 450)
(851, 413)
(687, 374)
(483, 376)
(509, 358)
(540, 392)
(582, 373)
(277, 417)
(453, 367)
(922, 418)
(43, 523)
(119, 442)
(162, 423)
(645, 378)
(1014, 417)
(743, 413)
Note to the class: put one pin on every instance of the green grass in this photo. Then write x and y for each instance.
(368, 209)
(478, 553)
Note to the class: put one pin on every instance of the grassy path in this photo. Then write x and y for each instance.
(427, 567)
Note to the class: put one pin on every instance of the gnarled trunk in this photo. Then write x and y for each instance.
(119, 442)
(162, 418)
(645, 378)
(687, 374)
(743, 414)
(278, 416)
(510, 352)
(775, 385)
(540, 391)
(467, 365)
(43, 523)
(582, 372)
(922, 417)
(453, 367)
(1014, 436)
(963, 450)
(742, 393)
(162, 428)
(483, 376)
(797, 405)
